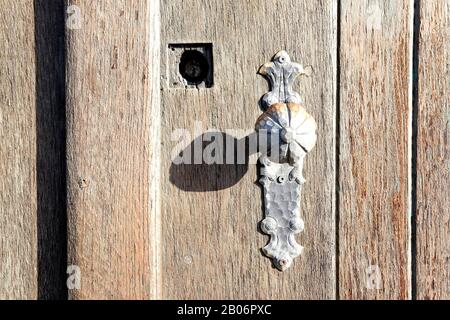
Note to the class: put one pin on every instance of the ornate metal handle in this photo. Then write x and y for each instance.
(286, 134)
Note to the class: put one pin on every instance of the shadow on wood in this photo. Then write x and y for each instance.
(50, 145)
(213, 161)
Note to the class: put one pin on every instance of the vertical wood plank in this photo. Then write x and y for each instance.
(433, 150)
(210, 213)
(375, 106)
(112, 69)
(18, 203)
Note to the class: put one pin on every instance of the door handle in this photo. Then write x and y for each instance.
(286, 133)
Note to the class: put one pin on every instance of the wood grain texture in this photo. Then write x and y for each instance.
(433, 153)
(112, 68)
(18, 202)
(375, 106)
(50, 148)
(210, 213)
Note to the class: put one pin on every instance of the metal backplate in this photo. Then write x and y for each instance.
(288, 132)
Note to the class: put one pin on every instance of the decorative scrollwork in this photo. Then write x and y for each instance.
(287, 133)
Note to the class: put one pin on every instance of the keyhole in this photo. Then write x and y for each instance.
(193, 66)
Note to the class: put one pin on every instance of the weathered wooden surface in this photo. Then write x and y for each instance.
(433, 150)
(375, 62)
(18, 203)
(50, 148)
(112, 71)
(210, 213)
(142, 227)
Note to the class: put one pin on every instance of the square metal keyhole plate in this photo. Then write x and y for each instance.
(190, 65)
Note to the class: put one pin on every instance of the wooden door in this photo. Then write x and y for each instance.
(94, 109)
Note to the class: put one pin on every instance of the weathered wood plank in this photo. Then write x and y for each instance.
(18, 203)
(112, 100)
(210, 213)
(433, 150)
(375, 106)
(50, 148)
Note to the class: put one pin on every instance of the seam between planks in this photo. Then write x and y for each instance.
(413, 137)
(337, 143)
(410, 142)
